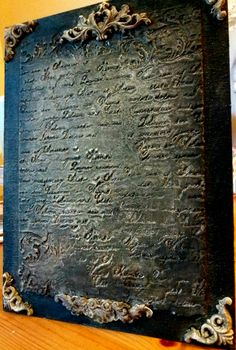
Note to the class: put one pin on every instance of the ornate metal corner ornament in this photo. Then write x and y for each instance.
(13, 35)
(103, 310)
(217, 8)
(11, 299)
(218, 330)
(104, 22)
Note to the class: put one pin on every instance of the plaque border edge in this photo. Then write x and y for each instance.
(87, 27)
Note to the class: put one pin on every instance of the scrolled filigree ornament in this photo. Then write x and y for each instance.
(101, 24)
(12, 301)
(13, 35)
(217, 330)
(217, 8)
(103, 310)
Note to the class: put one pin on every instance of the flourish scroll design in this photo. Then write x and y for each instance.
(217, 8)
(217, 330)
(11, 299)
(13, 35)
(103, 310)
(104, 22)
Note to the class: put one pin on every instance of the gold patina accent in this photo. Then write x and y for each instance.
(12, 301)
(217, 8)
(218, 330)
(103, 310)
(13, 36)
(107, 20)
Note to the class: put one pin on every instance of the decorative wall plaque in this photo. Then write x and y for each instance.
(118, 197)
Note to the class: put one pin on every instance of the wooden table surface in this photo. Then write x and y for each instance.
(20, 332)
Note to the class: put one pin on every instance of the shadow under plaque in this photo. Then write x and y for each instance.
(118, 190)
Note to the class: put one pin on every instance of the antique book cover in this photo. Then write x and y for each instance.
(118, 189)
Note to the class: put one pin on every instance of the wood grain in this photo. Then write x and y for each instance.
(20, 332)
